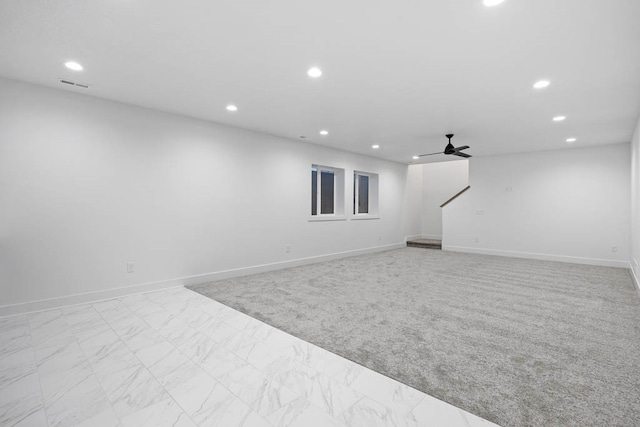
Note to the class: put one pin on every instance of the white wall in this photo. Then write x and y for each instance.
(635, 204)
(440, 182)
(566, 205)
(87, 185)
(413, 202)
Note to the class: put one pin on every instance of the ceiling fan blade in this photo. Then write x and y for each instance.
(465, 155)
(430, 154)
(464, 147)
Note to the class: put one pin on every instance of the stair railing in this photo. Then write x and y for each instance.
(455, 196)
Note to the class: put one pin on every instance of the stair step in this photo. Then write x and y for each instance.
(425, 243)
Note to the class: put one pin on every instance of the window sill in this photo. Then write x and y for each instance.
(320, 218)
(364, 217)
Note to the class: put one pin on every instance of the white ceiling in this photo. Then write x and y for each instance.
(400, 73)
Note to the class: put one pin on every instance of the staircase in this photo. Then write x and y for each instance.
(425, 243)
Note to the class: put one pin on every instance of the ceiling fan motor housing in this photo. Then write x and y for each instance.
(449, 149)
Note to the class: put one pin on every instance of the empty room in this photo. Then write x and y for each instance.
(297, 214)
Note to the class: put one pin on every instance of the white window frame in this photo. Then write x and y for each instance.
(338, 194)
(356, 192)
(373, 195)
(319, 170)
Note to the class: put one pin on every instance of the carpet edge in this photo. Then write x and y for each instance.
(537, 256)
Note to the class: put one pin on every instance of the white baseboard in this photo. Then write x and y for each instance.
(83, 298)
(544, 257)
(246, 271)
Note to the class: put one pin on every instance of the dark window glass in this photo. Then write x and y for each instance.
(363, 194)
(326, 188)
(314, 192)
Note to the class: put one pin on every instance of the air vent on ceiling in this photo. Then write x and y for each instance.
(70, 83)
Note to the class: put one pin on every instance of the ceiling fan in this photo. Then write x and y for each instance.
(450, 149)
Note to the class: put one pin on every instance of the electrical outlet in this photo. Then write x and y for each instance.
(614, 249)
(508, 188)
(287, 248)
(131, 267)
(379, 238)
(477, 240)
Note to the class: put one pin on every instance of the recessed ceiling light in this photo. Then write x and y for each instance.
(559, 118)
(72, 65)
(570, 140)
(232, 107)
(324, 132)
(314, 72)
(416, 157)
(541, 84)
(375, 146)
(491, 3)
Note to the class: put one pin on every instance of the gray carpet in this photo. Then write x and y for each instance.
(518, 342)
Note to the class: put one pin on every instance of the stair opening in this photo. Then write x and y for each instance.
(425, 243)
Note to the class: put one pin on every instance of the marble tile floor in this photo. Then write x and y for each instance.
(177, 358)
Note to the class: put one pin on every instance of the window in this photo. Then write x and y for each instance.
(365, 194)
(360, 193)
(327, 191)
(324, 194)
